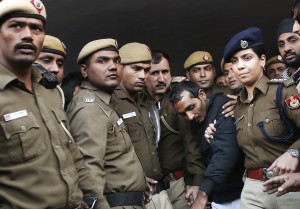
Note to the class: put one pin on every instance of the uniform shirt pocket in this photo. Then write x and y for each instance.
(22, 140)
(134, 126)
(272, 123)
(119, 137)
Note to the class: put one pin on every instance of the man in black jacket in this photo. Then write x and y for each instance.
(223, 158)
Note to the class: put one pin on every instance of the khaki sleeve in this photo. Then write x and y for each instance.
(193, 156)
(88, 125)
(293, 114)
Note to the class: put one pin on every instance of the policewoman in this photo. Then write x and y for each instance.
(266, 124)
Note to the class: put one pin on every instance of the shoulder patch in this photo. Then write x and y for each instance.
(293, 102)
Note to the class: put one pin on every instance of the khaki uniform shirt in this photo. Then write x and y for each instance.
(102, 138)
(260, 151)
(39, 163)
(141, 131)
(177, 142)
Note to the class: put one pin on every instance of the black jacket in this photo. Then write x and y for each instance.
(222, 156)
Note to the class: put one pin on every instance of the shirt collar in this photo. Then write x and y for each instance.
(104, 96)
(261, 86)
(6, 77)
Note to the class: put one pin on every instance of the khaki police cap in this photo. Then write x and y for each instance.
(22, 8)
(223, 64)
(134, 53)
(54, 45)
(198, 58)
(273, 60)
(94, 46)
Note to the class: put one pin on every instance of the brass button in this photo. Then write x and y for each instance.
(249, 124)
(23, 128)
(267, 120)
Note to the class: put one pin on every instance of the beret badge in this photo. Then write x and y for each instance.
(279, 58)
(244, 44)
(38, 5)
(205, 57)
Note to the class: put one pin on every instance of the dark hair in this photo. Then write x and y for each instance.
(178, 88)
(68, 85)
(259, 50)
(295, 12)
(157, 56)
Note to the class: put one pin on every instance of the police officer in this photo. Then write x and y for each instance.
(136, 58)
(40, 165)
(200, 70)
(52, 56)
(232, 82)
(100, 132)
(177, 145)
(275, 66)
(271, 145)
(289, 46)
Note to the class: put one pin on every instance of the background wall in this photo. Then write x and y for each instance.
(178, 27)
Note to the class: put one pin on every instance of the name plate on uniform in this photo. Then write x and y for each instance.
(15, 115)
(120, 121)
(129, 115)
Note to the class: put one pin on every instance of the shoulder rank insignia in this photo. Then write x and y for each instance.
(288, 82)
(293, 102)
(276, 80)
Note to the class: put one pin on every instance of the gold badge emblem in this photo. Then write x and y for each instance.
(205, 57)
(244, 44)
(38, 5)
(279, 58)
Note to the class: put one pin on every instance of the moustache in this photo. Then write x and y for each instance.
(289, 53)
(25, 46)
(161, 84)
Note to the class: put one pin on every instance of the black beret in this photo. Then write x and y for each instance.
(246, 39)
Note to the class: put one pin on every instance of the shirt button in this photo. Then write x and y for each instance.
(152, 153)
(267, 120)
(63, 172)
(155, 170)
(249, 124)
(23, 128)
(251, 105)
(57, 146)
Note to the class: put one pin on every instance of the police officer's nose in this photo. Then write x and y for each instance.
(202, 73)
(27, 34)
(160, 77)
(54, 69)
(112, 66)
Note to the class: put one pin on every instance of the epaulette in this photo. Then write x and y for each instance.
(288, 82)
(276, 80)
(177, 79)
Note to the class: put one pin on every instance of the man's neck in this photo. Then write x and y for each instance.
(132, 95)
